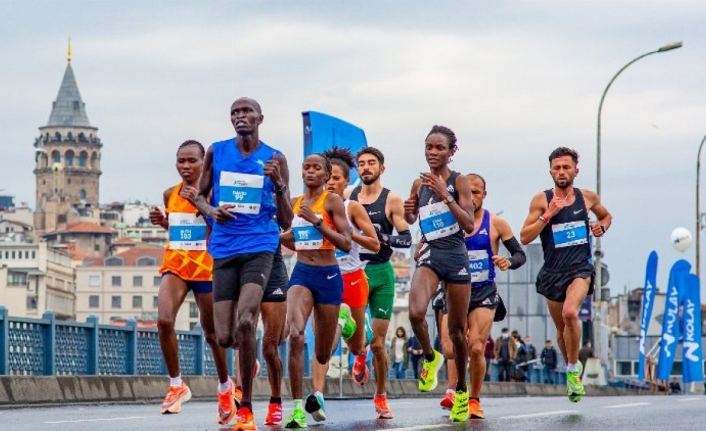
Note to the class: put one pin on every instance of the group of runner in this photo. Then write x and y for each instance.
(231, 213)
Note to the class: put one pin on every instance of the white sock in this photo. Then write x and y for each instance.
(298, 404)
(451, 391)
(572, 367)
(319, 394)
(175, 381)
(224, 387)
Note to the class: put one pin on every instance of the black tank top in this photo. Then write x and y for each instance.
(378, 216)
(566, 239)
(439, 226)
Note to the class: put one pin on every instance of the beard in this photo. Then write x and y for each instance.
(566, 185)
(370, 180)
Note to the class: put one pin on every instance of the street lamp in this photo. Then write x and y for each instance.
(598, 253)
(698, 210)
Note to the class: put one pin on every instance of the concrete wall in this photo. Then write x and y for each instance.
(18, 391)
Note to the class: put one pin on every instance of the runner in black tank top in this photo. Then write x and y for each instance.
(560, 218)
(386, 212)
(443, 203)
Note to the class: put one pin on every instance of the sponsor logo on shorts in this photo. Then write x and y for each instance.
(486, 301)
(278, 292)
(383, 310)
(328, 277)
(463, 272)
(355, 282)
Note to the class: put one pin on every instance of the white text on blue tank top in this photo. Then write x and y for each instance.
(306, 236)
(479, 262)
(187, 232)
(244, 191)
(569, 234)
(437, 221)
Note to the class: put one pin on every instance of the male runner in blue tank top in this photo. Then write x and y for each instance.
(443, 202)
(386, 211)
(559, 216)
(241, 174)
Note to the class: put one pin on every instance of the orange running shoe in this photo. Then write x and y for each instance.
(448, 401)
(245, 421)
(382, 411)
(237, 396)
(361, 373)
(474, 410)
(175, 396)
(226, 405)
(274, 414)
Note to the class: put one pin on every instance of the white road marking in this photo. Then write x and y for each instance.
(620, 406)
(392, 403)
(689, 399)
(420, 427)
(96, 420)
(535, 415)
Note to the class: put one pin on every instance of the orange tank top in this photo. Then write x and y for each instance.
(306, 236)
(185, 254)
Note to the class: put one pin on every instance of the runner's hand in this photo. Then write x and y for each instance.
(271, 169)
(435, 183)
(157, 217)
(501, 262)
(597, 229)
(189, 193)
(307, 214)
(411, 205)
(555, 206)
(221, 214)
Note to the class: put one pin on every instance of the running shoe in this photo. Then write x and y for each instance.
(274, 414)
(459, 412)
(296, 420)
(382, 410)
(245, 420)
(345, 320)
(428, 379)
(175, 397)
(314, 405)
(361, 372)
(474, 410)
(574, 387)
(448, 401)
(226, 405)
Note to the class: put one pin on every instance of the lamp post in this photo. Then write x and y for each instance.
(598, 253)
(698, 210)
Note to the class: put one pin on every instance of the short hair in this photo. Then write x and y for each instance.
(472, 175)
(548, 341)
(450, 135)
(255, 104)
(371, 150)
(192, 143)
(586, 341)
(564, 151)
(504, 329)
(341, 157)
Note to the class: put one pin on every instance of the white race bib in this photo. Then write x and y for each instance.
(242, 190)
(306, 236)
(436, 221)
(187, 232)
(479, 261)
(569, 234)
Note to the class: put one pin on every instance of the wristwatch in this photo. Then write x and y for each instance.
(280, 191)
(448, 199)
(318, 223)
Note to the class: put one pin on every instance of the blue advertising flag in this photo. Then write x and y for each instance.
(647, 303)
(691, 329)
(670, 322)
(323, 131)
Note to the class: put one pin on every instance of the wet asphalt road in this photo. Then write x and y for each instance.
(536, 413)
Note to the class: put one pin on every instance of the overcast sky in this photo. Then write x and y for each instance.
(513, 79)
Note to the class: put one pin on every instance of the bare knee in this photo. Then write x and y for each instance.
(246, 323)
(569, 315)
(165, 325)
(225, 341)
(269, 351)
(210, 338)
(296, 338)
(478, 350)
(378, 345)
(323, 357)
(447, 348)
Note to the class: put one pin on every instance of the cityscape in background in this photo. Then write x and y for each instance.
(77, 257)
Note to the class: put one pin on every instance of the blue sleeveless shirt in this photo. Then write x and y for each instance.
(480, 254)
(240, 181)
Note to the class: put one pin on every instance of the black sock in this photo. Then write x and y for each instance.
(477, 399)
(429, 357)
(247, 404)
(275, 400)
(238, 387)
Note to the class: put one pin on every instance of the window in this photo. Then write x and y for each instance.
(7, 254)
(146, 261)
(137, 301)
(116, 281)
(34, 255)
(76, 106)
(94, 280)
(623, 368)
(116, 301)
(13, 254)
(26, 254)
(17, 279)
(155, 301)
(157, 280)
(69, 158)
(193, 310)
(56, 156)
(137, 281)
(93, 301)
(82, 195)
(113, 261)
(82, 159)
(97, 247)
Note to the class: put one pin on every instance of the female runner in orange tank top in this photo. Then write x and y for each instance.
(319, 226)
(187, 266)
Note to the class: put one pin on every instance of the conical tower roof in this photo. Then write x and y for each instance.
(68, 110)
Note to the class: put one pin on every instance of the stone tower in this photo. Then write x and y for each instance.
(67, 157)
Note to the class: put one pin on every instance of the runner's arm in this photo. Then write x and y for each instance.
(463, 209)
(411, 205)
(361, 220)
(517, 255)
(533, 225)
(403, 239)
(205, 185)
(341, 236)
(604, 217)
(167, 194)
(287, 239)
(283, 200)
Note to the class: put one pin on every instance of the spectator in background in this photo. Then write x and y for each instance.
(489, 356)
(584, 353)
(505, 354)
(398, 352)
(415, 352)
(549, 362)
(525, 354)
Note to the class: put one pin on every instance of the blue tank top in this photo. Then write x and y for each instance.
(240, 181)
(480, 254)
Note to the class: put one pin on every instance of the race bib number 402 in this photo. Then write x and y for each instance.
(244, 191)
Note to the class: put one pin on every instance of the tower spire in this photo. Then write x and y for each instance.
(69, 52)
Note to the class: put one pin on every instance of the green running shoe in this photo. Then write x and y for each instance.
(428, 380)
(348, 325)
(296, 420)
(314, 405)
(574, 387)
(459, 412)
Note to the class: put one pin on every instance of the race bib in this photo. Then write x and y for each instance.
(479, 261)
(187, 232)
(569, 234)
(306, 236)
(436, 221)
(365, 250)
(242, 190)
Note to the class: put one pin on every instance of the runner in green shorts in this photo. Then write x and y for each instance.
(386, 211)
